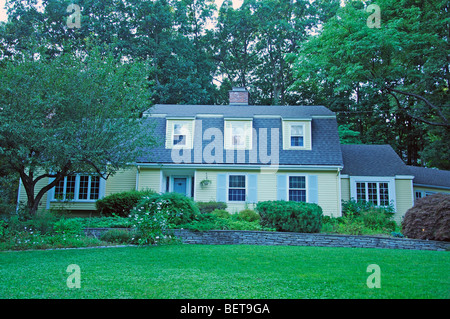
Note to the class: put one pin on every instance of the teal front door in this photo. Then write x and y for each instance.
(179, 185)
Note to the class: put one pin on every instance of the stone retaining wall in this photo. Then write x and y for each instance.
(239, 237)
(245, 237)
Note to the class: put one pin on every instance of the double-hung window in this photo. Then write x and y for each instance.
(297, 188)
(236, 188)
(65, 189)
(238, 134)
(78, 188)
(179, 134)
(376, 193)
(296, 135)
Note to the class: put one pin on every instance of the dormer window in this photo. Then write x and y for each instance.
(179, 133)
(238, 134)
(296, 135)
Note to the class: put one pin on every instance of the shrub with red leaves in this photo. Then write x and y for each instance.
(429, 218)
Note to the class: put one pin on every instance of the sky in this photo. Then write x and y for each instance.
(2, 10)
(236, 4)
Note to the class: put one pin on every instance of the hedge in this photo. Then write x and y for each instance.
(120, 204)
(290, 216)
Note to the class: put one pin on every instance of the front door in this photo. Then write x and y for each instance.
(179, 185)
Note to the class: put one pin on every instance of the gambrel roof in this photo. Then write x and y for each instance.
(325, 149)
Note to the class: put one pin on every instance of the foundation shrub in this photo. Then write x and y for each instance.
(290, 216)
(429, 218)
(221, 213)
(249, 215)
(120, 204)
(209, 207)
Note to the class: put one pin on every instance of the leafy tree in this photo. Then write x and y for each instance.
(169, 34)
(347, 135)
(70, 115)
(251, 43)
(394, 78)
(234, 42)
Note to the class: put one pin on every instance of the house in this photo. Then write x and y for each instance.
(375, 173)
(428, 181)
(242, 154)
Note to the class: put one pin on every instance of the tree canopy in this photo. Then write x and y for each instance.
(388, 81)
(70, 115)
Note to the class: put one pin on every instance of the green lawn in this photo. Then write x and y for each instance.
(194, 271)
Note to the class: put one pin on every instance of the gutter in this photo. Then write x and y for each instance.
(241, 166)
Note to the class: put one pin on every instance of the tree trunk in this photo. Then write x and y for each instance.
(29, 184)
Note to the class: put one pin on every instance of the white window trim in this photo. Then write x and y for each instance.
(101, 194)
(374, 179)
(302, 125)
(306, 185)
(170, 130)
(228, 134)
(246, 187)
(306, 128)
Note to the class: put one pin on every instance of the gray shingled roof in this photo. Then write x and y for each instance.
(372, 160)
(430, 176)
(325, 140)
(304, 111)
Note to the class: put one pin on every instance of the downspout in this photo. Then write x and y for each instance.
(339, 192)
(138, 170)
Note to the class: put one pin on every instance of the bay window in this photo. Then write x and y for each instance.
(78, 188)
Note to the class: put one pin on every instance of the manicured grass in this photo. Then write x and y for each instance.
(194, 271)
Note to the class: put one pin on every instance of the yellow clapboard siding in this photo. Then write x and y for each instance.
(404, 197)
(149, 179)
(122, 181)
(328, 192)
(345, 189)
(205, 193)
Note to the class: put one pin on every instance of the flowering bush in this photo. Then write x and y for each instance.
(150, 222)
(30, 238)
(156, 213)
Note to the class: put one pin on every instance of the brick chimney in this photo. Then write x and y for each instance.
(238, 96)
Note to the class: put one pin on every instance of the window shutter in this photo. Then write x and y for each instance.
(313, 189)
(252, 188)
(102, 188)
(281, 187)
(221, 188)
(51, 192)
